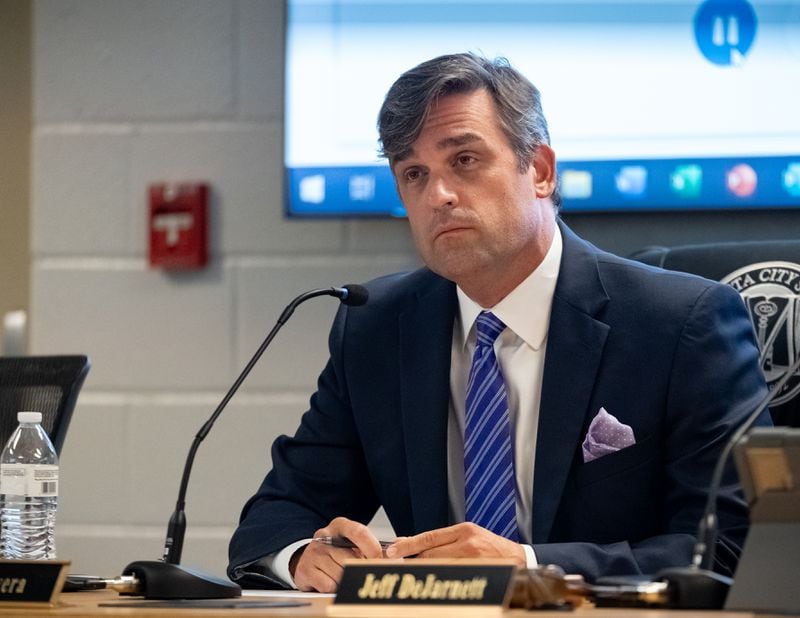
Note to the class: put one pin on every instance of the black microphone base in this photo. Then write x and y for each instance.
(160, 580)
(693, 588)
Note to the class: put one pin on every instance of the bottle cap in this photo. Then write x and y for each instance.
(29, 417)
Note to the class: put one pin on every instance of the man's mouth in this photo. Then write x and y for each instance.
(450, 229)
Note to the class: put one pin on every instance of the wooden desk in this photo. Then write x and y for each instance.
(88, 605)
(100, 603)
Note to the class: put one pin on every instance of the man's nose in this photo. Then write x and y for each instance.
(441, 192)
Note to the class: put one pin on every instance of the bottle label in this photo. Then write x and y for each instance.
(35, 480)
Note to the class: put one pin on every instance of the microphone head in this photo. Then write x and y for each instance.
(355, 295)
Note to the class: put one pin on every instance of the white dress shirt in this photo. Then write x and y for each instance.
(520, 350)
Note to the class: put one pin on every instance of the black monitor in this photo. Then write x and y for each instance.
(669, 105)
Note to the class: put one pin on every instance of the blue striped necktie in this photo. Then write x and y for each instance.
(489, 484)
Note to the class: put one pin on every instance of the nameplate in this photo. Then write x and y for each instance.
(31, 583)
(430, 586)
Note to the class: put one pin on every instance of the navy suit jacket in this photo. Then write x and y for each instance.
(670, 354)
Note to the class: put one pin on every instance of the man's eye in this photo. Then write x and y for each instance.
(412, 175)
(465, 160)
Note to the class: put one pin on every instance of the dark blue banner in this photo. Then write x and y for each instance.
(585, 186)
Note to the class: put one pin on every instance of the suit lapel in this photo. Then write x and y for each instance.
(425, 396)
(575, 344)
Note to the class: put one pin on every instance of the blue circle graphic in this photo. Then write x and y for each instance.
(725, 30)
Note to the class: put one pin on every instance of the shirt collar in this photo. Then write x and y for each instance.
(526, 309)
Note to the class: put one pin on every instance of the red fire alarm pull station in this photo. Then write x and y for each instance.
(178, 225)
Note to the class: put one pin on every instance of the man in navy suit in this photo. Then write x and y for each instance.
(623, 382)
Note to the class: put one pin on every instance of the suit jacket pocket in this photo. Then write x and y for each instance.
(628, 458)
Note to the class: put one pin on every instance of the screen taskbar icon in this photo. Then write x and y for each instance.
(741, 180)
(790, 179)
(631, 181)
(576, 184)
(686, 181)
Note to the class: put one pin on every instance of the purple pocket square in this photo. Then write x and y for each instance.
(606, 435)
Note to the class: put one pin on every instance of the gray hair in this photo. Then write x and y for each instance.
(408, 102)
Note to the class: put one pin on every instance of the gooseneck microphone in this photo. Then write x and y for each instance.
(166, 579)
(698, 586)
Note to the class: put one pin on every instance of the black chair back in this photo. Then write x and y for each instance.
(767, 275)
(46, 384)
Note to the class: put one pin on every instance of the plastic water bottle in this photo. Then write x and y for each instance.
(28, 492)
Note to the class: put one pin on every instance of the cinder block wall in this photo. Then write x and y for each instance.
(128, 93)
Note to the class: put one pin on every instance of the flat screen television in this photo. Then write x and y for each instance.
(652, 104)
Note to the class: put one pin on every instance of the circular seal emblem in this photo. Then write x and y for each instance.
(771, 292)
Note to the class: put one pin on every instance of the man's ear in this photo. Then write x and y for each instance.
(544, 164)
